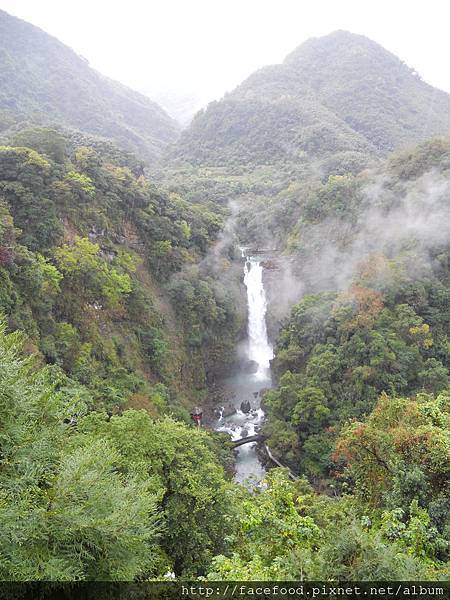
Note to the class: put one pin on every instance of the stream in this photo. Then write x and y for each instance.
(254, 377)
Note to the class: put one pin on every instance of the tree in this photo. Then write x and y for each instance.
(87, 274)
(400, 434)
(271, 529)
(193, 494)
(66, 512)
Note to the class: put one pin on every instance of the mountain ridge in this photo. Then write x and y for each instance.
(45, 82)
(342, 81)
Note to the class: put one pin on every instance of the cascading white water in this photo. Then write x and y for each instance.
(259, 349)
(246, 385)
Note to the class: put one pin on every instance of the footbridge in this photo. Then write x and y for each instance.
(260, 438)
(248, 440)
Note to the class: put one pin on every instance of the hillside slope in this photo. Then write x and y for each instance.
(369, 258)
(100, 268)
(341, 96)
(42, 81)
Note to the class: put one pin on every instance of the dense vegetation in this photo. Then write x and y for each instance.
(98, 267)
(335, 101)
(120, 311)
(107, 279)
(44, 82)
(88, 496)
(394, 526)
(375, 311)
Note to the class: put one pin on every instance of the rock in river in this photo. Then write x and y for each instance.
(250, 366)
(245, 406)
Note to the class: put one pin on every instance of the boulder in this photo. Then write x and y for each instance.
(245, 406)
(228, 410)
(250, 366)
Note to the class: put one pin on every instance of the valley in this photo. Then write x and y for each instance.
(283, 263)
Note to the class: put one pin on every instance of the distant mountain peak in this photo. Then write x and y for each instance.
(44, 82)
(338, 44)
(333, 95)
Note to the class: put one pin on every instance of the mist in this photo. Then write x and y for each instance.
(409, 226)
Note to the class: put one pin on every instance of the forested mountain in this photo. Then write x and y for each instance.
(371, 256)
(122, 306)
(369, 88)
(336, 99)
(99, 267)
(104, 281)
(44, 82)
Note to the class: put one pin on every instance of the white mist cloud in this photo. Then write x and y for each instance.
(420, 217)
(410, 224)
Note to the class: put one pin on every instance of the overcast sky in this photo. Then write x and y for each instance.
(206, 47)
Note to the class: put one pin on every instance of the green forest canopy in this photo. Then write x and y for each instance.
(117, 317)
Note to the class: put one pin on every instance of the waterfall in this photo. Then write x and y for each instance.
(247, 383)
(259, 349)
